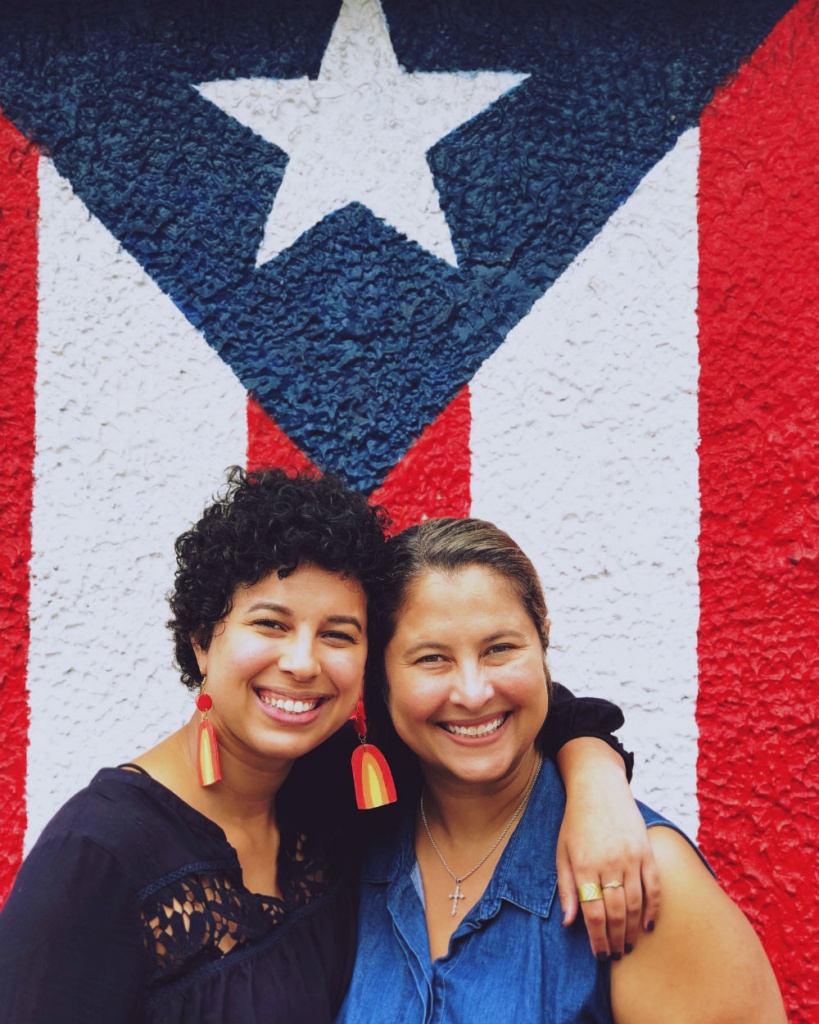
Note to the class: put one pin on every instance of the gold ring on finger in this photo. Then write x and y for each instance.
(589, 891)
(613, 885)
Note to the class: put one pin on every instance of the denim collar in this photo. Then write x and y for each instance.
(526, 875)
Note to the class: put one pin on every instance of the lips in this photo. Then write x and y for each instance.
(294, 707)
(290, 705)
(477, 730)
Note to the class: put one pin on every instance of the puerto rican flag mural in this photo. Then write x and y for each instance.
(552, 264)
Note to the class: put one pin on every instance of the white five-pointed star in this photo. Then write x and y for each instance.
(359, 132)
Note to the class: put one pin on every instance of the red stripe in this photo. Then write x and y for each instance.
(759, 545)
(18, 341)
(434, 477)
(268, 445)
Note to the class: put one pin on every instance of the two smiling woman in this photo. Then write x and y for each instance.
(212, 879)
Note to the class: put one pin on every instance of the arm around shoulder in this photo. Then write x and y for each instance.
(703, 962)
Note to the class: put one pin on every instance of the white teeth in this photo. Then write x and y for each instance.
(294, 707)
(476, 730)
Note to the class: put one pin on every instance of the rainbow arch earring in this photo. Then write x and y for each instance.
(374, 786)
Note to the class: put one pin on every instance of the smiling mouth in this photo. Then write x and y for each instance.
(292, 707)
(485, 729)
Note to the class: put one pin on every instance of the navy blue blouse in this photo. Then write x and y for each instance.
(131, 908)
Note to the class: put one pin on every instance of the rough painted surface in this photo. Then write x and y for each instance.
(353, 316)
(133, 438)
(18, 343)
(165, 354)
(584, 437)
(434, 477)
(759, 548)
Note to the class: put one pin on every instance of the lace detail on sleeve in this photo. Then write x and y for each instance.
(201, 915)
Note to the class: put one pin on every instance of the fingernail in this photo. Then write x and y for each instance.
(565, 918)
(603, 957)
(650, 926)
(629, 947)
(617, 956)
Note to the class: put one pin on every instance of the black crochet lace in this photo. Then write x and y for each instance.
(202, 913)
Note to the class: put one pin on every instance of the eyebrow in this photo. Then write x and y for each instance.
(425, 644)
(281, 609)
(270, 607)
(431, 645)
(345, 620)
(504, 633)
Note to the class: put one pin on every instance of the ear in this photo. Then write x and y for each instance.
(200, 654)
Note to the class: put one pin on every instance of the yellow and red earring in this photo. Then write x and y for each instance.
(207, 749)
(374, 786)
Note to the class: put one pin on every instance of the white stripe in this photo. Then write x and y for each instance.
(584, 438)
(137, 419)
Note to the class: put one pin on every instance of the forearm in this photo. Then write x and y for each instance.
(584, 760)
(571, 718)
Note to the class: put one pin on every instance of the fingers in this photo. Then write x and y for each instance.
(566, 886)
(595, 916)
(651, 891)
(625, 908)
(616, 918)
(633, 905)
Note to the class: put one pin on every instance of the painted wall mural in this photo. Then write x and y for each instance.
(554, 264)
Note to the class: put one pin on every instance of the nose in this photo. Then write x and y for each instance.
(298, 658)
(471, 687)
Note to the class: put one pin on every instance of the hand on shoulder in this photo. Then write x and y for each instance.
(703, 961)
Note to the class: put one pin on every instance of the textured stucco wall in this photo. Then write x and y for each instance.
(584, 437)
(759, 380)
(619, 366)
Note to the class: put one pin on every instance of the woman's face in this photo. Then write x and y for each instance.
(285, 666)
(467, 680)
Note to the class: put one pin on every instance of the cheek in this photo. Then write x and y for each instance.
(526, 683)
(246, 652)
(412, 700)
(346, 669)
(239, 656)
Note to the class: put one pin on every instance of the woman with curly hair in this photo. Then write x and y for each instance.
(212, 878)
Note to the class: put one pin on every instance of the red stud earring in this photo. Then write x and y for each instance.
(374, 786)
(207, 749)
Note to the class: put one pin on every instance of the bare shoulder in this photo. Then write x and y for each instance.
(703, 962)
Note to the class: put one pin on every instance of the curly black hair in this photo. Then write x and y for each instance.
(262, 522)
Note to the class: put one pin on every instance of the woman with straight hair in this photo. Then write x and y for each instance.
(458, 906)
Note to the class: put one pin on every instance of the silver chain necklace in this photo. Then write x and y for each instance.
(457, 896)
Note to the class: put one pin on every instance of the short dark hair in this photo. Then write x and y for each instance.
(262, 522)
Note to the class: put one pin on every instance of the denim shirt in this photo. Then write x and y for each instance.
(510, 959)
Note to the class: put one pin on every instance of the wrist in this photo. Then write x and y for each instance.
(586, 761)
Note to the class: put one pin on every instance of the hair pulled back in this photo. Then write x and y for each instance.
(263, 522)
(449, 546)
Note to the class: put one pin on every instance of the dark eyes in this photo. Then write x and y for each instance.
(341, 637)
(269, 624)
(500, 648)
(338, 636)
(437, 659)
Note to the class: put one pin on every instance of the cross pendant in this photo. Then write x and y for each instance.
(455, 896)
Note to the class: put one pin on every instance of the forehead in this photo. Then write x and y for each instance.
(309, 586)
(467, 593)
